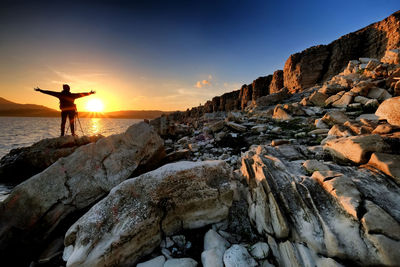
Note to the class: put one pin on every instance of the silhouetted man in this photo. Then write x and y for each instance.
(67, 106)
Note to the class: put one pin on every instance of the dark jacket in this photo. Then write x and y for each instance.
(66, 98)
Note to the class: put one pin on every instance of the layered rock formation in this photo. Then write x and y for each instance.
(22, 163)
(319, 63)
(34, 208)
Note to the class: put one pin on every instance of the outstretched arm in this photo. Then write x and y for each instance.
(78, 95)
(52, 93)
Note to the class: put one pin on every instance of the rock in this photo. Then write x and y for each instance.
(319, 63)
(325, 212)
(281, 114)
(387, 163)
(179, 195)
(371, 104)
(214, 249)
(181, 262)
(340, 130)
(278, 142)
(370, 117)
(361, 99)
(194, 147)
(320, 124)
(358, 128)
(156, 262)
(344, 101)
(392, 56)
(259, 250)
(362, 88)
(331, 89)
(212, 258)
(259, 128)
(217, 126)
(34, 208)
(378, 94)
(277, 82)
(390, 110)
(234, 117)
(236, 126)
(318, 99)
(335, 117)
(237, 256)
(177, 155)
(356, 149)
(213, 240)
(272, 99)
(318, 132)
(315, 165)
(383, 129)
(22, 163)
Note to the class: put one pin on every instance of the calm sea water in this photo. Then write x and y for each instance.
(24, 131)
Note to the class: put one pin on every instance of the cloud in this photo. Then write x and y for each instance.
(203, 83)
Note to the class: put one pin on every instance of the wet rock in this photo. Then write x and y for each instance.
(22, 163)
(237, 255)
(387, 163)
(356, 149)
(178, 195)
(74, 183)
(390, 110)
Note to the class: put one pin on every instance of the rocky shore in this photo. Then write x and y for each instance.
(299, 168)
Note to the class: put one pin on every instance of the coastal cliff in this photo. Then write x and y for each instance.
(266, 175)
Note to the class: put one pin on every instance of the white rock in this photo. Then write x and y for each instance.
(212, 258)
(259, 250)
(237, 256)
(156, 262)
(182, 262)
(213, 240)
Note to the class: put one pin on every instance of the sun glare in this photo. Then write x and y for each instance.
(95, 105)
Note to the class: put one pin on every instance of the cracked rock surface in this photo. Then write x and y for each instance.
(347, 214)
(131, 221)
(34, 208)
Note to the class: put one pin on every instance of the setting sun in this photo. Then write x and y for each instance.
(95, 105)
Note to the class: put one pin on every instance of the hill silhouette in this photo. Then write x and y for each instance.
(9, 108)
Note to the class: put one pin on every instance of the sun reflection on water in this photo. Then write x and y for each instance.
(95, 125)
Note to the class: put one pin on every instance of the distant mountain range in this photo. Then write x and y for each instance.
(8, 108)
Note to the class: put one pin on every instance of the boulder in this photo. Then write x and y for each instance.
(272, 99)
(378, 94)
(237, 255)
(387, 163)
(214, 249)
(390, 110)
(324, 213)
(259, 250)
(356, 149)
(217, 126)
(236, 126)
(318, 99)
(335, 117)
(22, 163)
(344, 101)
(36, 207)
(129, 222)
(392, 56)
(281, 114)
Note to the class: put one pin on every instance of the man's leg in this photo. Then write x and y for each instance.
(71, 115)
(63, 121)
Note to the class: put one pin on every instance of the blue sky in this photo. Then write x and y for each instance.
(162, 54)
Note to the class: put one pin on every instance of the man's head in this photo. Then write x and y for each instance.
(66, 88)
